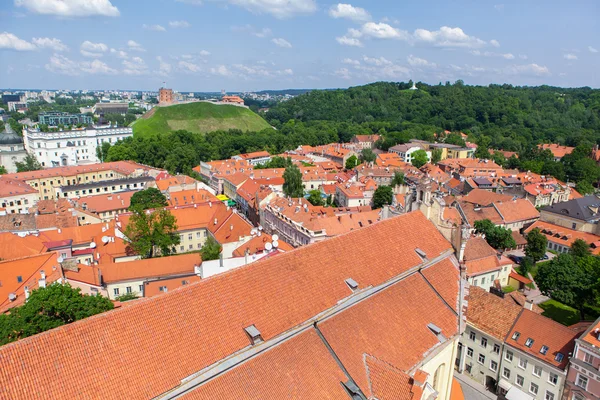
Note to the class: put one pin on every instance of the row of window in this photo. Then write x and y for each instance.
(533, 387)
(190, 235)
(12, 203)
(537, 370)
(484, 342)
(128, 290)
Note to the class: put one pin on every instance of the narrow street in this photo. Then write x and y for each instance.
(473, 390)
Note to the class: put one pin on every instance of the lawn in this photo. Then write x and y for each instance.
(560, 312)
(508, 289)
(200, 117)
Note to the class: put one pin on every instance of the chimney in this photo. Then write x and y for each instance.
(528, 305)
(26, 292)
(385, 212)
(221, 260)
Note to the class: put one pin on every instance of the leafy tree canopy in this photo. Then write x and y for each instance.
(292, 185)
(30, 163)
(351, 162)
(211, 249)
(496, 236)
(315, 198)
(152, 233)
(384, 195)
(419, 158)
(147, 198)
(398, 179)
(536, 244)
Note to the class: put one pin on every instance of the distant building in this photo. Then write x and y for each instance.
(581, 214)
(582, 379)
(557, 150)
(232, 99)
(165, 96)
(405, 151)
(111, 108)
(11, 149)
(72, 147)
(63, 118)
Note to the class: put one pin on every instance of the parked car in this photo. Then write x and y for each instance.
(515, 258)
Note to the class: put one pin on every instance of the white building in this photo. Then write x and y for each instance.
(11, 149)
(72, 147)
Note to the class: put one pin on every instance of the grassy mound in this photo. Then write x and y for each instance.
(198, 117)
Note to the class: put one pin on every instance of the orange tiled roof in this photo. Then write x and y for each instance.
(389, 383)
(216, 309)
(544, 332)
(153, 288)
(566, 236)
(256, 154)
(557, 150)
(444, 277)
(14, 187)
(13, 246)
(517, 210)
(123, 167)
(490, 313)
(192, 196)
(106, 202)
(484, 197)
(257, 245)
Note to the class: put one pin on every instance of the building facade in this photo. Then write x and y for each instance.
(73, 147)
(63, 118)
(583, 379)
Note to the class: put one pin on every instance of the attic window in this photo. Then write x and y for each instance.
(352, 284)
(162, 289)
(529, 342)
(559, 357)
(253, 334)
(19, 279)
(544, 350)
(516, 335)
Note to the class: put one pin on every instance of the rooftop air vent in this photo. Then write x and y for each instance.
(253, 334)
(437, 331)
(421, 253)
(352, 284)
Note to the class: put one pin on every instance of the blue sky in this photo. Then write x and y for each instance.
(209, 45)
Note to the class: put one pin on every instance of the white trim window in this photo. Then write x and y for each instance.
(581, 381)
(493, 365)
(506, 373)
(496, 348)
(588, 358)
(508, 356)
(522, 363)
(469, 352)
(481, 359)
(472, 335)
(519, 381)
(537, 370)
(552, 378)
(549, 396)
(483, 342)
(533, 388)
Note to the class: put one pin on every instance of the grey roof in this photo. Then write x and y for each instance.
(585, 208)
(8, 136)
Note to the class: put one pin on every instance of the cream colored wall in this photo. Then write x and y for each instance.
(489, 279)
(568, 222)
(445, 356)
(47, 186)
(122, 286)
(198, 237)
(19, 203)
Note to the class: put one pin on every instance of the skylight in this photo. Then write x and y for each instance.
(529, 342)
(544, 350)
(559, 357)
(516, 335)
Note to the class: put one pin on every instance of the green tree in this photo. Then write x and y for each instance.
(570, 280)
(580, 248)
(398, 179)
(211, 249)
(419, 158)
(292, 185)
(152, 233)
(436, 156)
(315, 198)
(30, 163)
(2, 170)
(351, 162)
(367, 155)
(585, 188)
(146, 199)
(102, 151)
(537, 244)
(48, 308)
(496, 236)
(384, 195)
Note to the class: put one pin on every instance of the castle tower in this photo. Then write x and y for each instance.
(165, 96)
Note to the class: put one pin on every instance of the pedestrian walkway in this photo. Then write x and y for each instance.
(535, 295)
(472, 389)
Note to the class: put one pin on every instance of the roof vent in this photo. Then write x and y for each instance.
(353, 390)
(352, 284)
(421, 253)
(12, 297)
(253, 334)
(437, 331)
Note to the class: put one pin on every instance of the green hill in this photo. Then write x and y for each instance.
(198, 117)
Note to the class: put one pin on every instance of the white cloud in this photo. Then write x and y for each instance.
(419, 62)
(355, 33)
(204, 53)
(97, 67)
(261, 33)
(119, 53)
(287, 71)
(592, 50)
(134, 46)
(187, 66)
(164, 68)
(60, 64)
(570, 56)
(528, 69)
(94, 50)
(447, 37)
(349, 12)
(277, 8)
(155, 27)
(495, 43)
(282, 43)
(135, 66)
(221, 70)
(50, 43)
(70, 8)
(343, 73)
(382, 31)
(12, 42)
(348, 41)
(376, 61)
(508, 56)
(179, 24)
(350, 61)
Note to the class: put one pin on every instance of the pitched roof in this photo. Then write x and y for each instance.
(484, 197)
(490, 313)
(153, 288)
(586, 208)
(544, 332)
(557, 150)
(565, 236)
(106, 202)
(273, 294)
(123, 167)
(389, 383)
(257, 245)
(12, 246)
(14, 187)
(192, 196)
(517, 210)
(444, 277)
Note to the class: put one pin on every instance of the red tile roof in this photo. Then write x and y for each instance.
(389, 383)
(106, 202)
(544, 332)
(153, 288)
(490, 313)
(557, 150)
(14, 187)
(273, 294)
(484, 197)
(565, 236)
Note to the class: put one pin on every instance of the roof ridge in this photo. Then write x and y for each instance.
(29, 256)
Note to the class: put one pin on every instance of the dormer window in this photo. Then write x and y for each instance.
(529, 342)
(559, 357)
(544, 350)
(516, 335)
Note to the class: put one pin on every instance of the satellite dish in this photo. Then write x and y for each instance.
(105, 239)
(60, 259)
(268, 246)
(92, 245)
(260, 228)
(275, 237)
(275, 244)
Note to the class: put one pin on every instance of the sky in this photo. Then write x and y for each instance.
(251, 45)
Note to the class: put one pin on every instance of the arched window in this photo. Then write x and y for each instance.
(438, 378)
